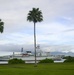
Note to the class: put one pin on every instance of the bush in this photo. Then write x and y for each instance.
(69, 59)
(16, 61)
(46, 61)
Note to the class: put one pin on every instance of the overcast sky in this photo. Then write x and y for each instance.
(57, 27)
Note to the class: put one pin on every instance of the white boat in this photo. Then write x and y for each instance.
(31, 58)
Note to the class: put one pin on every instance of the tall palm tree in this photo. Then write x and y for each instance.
(35, 15)
(1, 26)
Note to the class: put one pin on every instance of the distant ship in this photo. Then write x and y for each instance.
(29, 57)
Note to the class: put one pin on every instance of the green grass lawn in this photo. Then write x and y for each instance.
(41, 69)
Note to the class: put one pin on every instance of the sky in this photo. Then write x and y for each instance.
(54, 33)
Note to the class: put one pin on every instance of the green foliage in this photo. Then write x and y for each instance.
(35, 15)
(69, 59)
(1, 26)
(41, 69)
(16, 61)
(46, 61)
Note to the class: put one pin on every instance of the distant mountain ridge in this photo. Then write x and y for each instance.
(62, 53)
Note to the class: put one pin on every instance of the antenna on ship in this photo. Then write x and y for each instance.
(38, 50)
(38, 47)
(21, 50)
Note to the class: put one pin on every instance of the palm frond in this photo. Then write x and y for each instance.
(35, 15)
(1, 26)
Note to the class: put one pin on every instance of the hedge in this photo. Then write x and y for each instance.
(69, 59)
(16, 61)
(46, 61)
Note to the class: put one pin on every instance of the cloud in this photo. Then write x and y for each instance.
(69, 30)
(57, 27)
(16, 38)
(60, 48)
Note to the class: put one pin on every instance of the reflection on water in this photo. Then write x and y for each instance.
(3, 62)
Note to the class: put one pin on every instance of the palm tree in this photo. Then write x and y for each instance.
(1, 26)
(35, 15)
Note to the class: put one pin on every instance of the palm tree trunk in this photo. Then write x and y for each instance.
(35, 43)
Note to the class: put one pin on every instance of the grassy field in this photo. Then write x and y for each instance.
(41, 69)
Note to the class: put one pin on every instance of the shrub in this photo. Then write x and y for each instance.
(69, 59)
(16, 61)
(46, 61)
